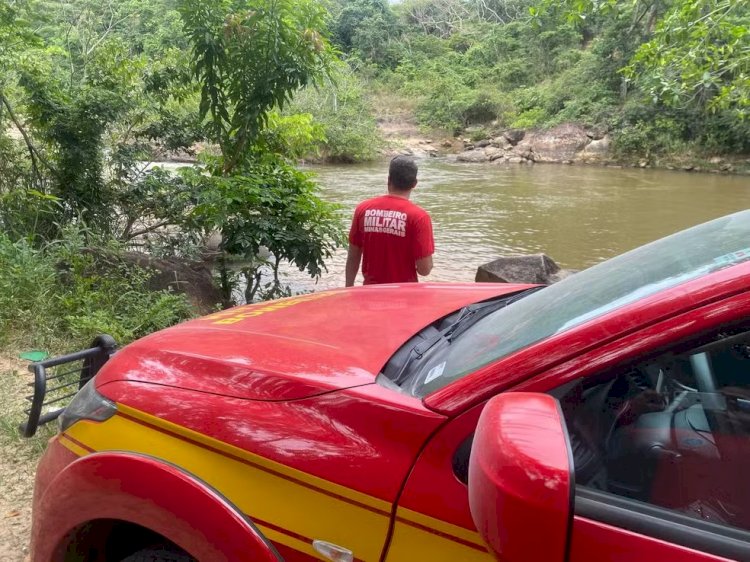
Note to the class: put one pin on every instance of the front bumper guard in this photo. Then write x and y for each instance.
(69, 373)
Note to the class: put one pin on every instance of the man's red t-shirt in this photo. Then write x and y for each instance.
(393, 233)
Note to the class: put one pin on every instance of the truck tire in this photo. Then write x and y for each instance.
(159, 553)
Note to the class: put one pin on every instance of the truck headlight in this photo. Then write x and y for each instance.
(88, 404)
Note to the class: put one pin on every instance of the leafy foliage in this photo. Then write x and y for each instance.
(367, 28)
(60, 296)
(269, 213)
(73, 119)
(90, 103)
(343, 115)
(250, 57)
(687, 60)
(699, 57)
(538, 63)
(95, 91)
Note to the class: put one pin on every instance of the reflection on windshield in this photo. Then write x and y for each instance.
(591, 293)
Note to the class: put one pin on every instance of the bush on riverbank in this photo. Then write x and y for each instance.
(60, 296)
(344, 114)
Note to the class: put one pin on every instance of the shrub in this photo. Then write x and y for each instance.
(27, 292)
(344, 116)
(452, 103)
(269, 206)
(657, 137)
(530, 118)
(60, 296)
(478, 134)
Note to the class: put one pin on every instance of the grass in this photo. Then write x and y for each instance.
(12, 405)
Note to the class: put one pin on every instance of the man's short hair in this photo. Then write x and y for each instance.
(402, 174)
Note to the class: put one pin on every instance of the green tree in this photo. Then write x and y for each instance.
(368, 30)
(684, 64)
(699, 57)
(91, 105)
(72, 118)
(344, 115)
(16, 40)
(250, 57)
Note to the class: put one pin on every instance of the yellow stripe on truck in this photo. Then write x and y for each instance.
(418, 542)
(73, 447)
(289, 506)
(261, 494)
(438, 526)
(282, 469)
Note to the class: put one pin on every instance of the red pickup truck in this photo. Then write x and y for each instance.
(606, 417)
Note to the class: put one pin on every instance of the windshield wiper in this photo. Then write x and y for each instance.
(476, 312)
(472, 312)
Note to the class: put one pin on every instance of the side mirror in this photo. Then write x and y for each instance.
(520, 478)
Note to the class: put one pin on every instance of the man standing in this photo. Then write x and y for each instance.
(390, 235)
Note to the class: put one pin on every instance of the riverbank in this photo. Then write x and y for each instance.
(568, 144)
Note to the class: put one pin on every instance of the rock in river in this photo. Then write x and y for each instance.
(596, 150)
(472, 156)
(493, 153)
(534, 268)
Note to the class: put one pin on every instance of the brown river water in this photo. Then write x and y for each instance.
(577, 215)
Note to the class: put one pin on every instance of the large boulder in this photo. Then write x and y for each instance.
(493, 153)
(597, 132)
(514, 136)
(192, 278)
(534, 268)
(559, 144)
(473, 156)
(501, 142)
(596, 150)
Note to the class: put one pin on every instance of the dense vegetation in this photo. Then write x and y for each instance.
(666, 76)
(93, 91)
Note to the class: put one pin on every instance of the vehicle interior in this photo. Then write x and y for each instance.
(672, 431)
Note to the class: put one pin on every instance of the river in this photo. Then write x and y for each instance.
(577, 215)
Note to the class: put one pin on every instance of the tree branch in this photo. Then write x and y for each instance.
(112, 24)
(148, 229)
(128, 227)
(33, 152)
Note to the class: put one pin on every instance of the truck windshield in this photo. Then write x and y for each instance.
(586, 295)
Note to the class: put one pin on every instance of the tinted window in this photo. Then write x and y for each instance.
(673, 432)
(600, 289)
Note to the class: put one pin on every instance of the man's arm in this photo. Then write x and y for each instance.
(424, 266)
(424, 245)
(353, 259)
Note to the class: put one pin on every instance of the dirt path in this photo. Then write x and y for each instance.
(399, 129)
(18, 459)
(404, 137)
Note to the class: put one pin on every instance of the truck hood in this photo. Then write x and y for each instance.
(293, 348)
